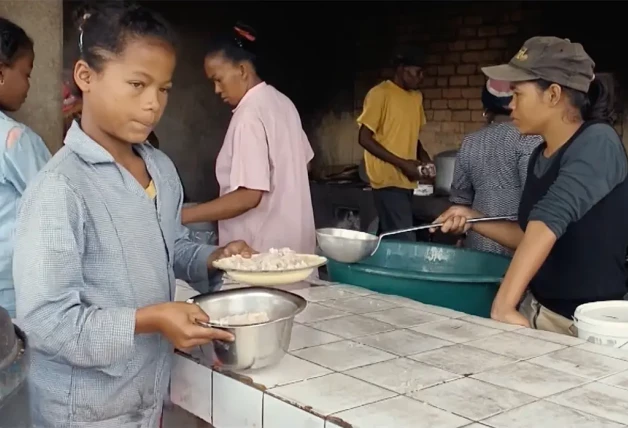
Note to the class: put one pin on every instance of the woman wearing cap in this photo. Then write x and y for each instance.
(262, 168)
(492, 164)
(572, 233)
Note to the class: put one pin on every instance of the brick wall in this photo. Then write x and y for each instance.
(459, 39)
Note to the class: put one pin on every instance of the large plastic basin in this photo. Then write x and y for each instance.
(456, 278)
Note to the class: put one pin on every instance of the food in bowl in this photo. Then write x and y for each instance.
(248, 318)
(274, 260)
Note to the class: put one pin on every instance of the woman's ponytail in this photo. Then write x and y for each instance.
(599, 103)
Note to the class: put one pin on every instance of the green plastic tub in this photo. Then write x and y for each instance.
(455, 278)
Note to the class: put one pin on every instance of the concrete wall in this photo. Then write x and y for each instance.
(43, 21)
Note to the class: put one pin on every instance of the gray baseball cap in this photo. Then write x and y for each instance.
(549, 58)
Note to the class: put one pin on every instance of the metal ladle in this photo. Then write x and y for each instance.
(436, 225)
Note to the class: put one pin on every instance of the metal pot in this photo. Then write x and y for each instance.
(257, 345)
(445, 163)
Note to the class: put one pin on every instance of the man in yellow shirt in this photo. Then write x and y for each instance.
(389, 132)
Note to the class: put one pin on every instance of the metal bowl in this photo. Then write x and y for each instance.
(256, 345)
(345, 246)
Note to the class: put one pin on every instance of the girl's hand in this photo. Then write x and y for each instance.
(231, 249)
(235, 248)
(455, 218)
(177, 322)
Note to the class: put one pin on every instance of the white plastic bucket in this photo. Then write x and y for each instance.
(603, 323)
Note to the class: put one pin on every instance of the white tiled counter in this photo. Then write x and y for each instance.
(363, 359)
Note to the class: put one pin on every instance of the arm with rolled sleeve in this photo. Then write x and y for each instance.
(249, 176)
(24, 155)
(462, 192)
(250, 163)
(373, 110)
(48, 276)
(590, 169)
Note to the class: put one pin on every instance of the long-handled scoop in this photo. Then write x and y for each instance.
(436, 225)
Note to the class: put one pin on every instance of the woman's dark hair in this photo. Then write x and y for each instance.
(106, 27)
(238, 45)
(494, 104)
(13, 42)
(597, 104)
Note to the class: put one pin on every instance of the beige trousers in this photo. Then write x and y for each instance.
(541, 318)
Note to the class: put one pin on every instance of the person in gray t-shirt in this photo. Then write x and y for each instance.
(492, 165)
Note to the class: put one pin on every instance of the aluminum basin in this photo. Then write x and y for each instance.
(256, 345)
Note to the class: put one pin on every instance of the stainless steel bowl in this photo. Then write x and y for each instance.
(256, 345)
(345, 246)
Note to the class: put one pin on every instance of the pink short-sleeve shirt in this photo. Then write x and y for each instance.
(266, 149)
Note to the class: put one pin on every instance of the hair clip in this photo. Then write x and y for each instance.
(80, 42)
(248, 36)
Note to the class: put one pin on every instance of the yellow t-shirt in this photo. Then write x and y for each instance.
(395, 116)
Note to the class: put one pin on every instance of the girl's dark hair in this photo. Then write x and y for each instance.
(106, 27)
(13, 42)
(597, 104)
(495, 105)
(238, 45)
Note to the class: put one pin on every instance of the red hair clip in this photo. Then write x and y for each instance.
(248, 36)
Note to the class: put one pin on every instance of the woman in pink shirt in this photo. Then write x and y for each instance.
(262, 168)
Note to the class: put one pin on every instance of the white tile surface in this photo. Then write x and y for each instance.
(229, 411)
(404, 317)
(403, 342)
(549, 336)
(516, 346)
(359, 291)
(320, 294)
(359, 305)
(316, 312)
(332, 393)
(463, 360)
(290, 369)
(531, 379)
(279, 414)
(446, 312)
(345, 355)
(375, 371)
(597, 399)
(305, 337)
(581, 363)
(543, 414)
(401, 301)
(472, 398)
(620, 380)
(402, 375)
(352, 326)
(455, 330)
(191, 387)
(487, 322)
(400, 412)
